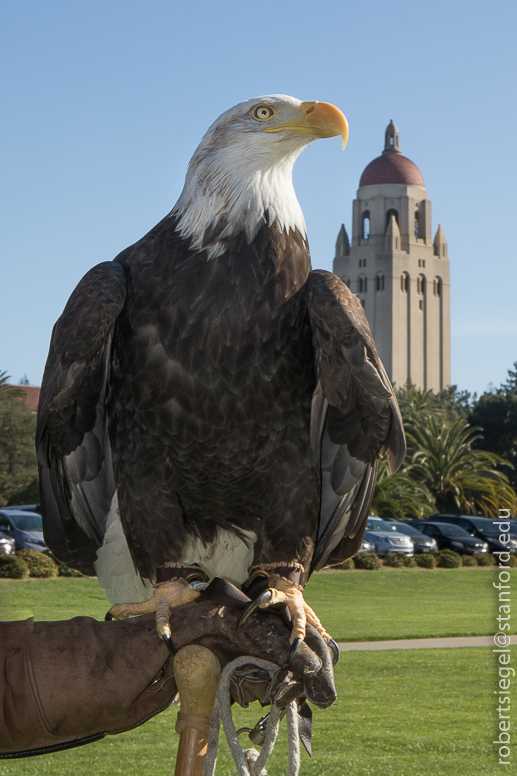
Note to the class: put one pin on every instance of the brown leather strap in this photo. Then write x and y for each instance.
(172, 570)
(259, 577)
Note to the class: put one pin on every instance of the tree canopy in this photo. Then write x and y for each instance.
(18, 465)
(461, 454)
(496, 414)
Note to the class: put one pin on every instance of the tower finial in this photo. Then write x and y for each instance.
(391, 139)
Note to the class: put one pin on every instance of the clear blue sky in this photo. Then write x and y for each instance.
(103, 103)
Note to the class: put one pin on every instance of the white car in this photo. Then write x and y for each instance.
(384, 539)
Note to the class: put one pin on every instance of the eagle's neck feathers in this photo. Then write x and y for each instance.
(238, 187)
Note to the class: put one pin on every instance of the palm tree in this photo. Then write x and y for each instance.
(459, 478)
(400, 496)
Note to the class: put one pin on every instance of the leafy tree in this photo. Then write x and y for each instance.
(400, 496)
(415, 403)
(449, 467)
(459, 477)
(496, 413)
(18, 466)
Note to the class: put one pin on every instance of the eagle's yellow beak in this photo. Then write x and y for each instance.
(317, 119)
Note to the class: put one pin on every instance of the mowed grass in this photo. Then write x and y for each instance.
(353, 605)
(52, 599)
(399, 713)
(405, 603)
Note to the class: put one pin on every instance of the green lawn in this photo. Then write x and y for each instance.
(405, 603)
(399, 713)
(353, 605)
(52, 599)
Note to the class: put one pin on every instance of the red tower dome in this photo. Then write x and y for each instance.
(391, 166)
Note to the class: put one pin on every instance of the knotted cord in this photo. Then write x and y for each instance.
(250, 762)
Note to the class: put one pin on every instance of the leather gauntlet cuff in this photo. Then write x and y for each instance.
(174, 570)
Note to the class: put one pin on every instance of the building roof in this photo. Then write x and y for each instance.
(391, 166)
(31, 397)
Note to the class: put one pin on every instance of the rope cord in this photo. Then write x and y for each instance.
(250, 762)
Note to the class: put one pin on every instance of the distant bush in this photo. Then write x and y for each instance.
(410, 563)
(347, 564)
(62, 569)
(512, 562)
(13, 567)
(367, 560)
(66, 571)
(484, 559)
(396, 560)
(448, 559)
(426, 561)
(39, 564)
(468, 560)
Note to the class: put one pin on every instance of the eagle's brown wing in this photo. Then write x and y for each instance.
(355, 416)
(76, 480)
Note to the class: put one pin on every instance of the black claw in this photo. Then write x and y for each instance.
(170, 646)
(262, 598)
(335, 651)
(292, 652)
(108, 616)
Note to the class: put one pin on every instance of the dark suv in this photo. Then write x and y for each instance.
(452, 537)
(479, 527)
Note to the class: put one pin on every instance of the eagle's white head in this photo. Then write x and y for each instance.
(241, 172)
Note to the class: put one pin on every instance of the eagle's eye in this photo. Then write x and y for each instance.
(263, 112)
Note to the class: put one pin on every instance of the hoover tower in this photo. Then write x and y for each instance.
(399, 273)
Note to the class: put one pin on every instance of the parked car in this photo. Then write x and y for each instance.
(6, 545)
(25, 508)
(384, 539)
(479, 527)
(452, 537)
(421, 542)
(367, 546)
(24, 527)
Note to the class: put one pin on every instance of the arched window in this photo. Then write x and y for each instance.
(404, 282)
(391, 212)
(379, 282)
(417, 224)
(437, 286)
(420, 284)
(365, 225)
(346, 281)
(363, 285)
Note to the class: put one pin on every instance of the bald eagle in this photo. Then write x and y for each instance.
(210, 404)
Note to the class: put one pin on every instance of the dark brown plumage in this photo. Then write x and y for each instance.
(205, 372)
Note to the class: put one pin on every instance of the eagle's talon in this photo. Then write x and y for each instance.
(283, 591)
(331, 644)
(166, 595)
(170, 646)
(292, 652)
(261, 600)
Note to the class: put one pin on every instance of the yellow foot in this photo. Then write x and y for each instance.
(289, 593)
(166, 596)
